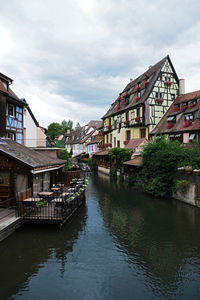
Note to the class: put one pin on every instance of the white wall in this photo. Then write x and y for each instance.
(31, 130)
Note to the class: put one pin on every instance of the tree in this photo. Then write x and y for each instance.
(160, 159)
(54, 130)
(66, 125)
(118, 156)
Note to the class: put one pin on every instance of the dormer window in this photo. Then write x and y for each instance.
(167, 79)
(171, 119)
(189, 117)
(159, 95)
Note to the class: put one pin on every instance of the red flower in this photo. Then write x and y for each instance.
(137, 87)
(126, 94)
(108, 126)
(187, 123)
(170, 125)
(126, 142)
(145, 83)
(118, 107)
(123, 101)
(191, 105)
(137, 119)
(126, 122)
(159, 100)
(183, 107)
(118, 98)
(136, 99)
(176, 108)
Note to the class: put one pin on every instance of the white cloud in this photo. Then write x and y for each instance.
(70, 59)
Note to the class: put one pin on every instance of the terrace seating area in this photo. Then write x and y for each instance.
(53, 206)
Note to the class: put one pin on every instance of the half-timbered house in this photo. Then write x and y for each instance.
(141, 105)
(182, 121)
(11, 111)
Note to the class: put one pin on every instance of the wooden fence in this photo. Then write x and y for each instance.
(69, 175)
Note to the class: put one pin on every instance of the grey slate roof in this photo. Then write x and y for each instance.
(27, 156)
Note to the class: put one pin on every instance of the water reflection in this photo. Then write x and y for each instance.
(28, 250)
(160, 237)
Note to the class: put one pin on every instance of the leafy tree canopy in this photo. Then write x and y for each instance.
(54, 130)
(119, 155)
(66, 125)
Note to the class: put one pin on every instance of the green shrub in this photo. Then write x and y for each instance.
(182, 186)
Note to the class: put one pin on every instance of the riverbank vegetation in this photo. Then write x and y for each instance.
(160, 160)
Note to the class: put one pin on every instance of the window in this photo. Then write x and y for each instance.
(118, 143)
(11, 110)
(128, 135)
(192, 137)
(110, 122)
(115, 124)
(159, 95)
(171, 119)
(143, 132)
(138, 112)
(120, 125)
(189, 117)
(111, 138)
(114, 141)
(127, 116)
(11, 136)
(167, 79)
(173, 96)
(107, 139)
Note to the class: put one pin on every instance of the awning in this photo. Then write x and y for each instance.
(192, 136)
(171, 135)
(178, 135)
(170, 118)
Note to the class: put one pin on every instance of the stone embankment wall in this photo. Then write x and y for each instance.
(192, 194)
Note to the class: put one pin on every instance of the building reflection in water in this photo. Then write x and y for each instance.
(160, 237)
(24, 253)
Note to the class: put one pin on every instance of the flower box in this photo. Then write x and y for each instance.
(118, 98)
(126, 94)
(126, 142)
(183, 107)
(191, 105)
(118, 107)
(176, 108)
(137, 88)
(122, 101)
(170, 125)
(159, 101)
(126, 122)
(187, 123)
(137, 119)
(168, 83)
(146, 83)
(136, 99)
(108, 126)
(109, 145)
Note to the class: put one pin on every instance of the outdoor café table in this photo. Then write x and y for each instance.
(45, 194)
(55, 189)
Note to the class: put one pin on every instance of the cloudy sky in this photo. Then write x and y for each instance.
(71, 58)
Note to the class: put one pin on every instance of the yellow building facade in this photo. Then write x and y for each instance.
(141, 105)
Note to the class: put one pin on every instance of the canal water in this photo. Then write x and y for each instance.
(122, 244)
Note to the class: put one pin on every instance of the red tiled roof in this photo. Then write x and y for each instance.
(101, 152)
(9, 91)
(161, 127)
(152, 73)
(135, 143)
(137, 161)
(95, 124)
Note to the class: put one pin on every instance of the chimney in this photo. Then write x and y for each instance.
(181, 87)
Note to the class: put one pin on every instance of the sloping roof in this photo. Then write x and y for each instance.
(161, 127)
(151, 74)
(87, 136)
(134, 143)
(137, 161)
(95, 124)
(27, 156)
(8, 92)
(101, 152)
